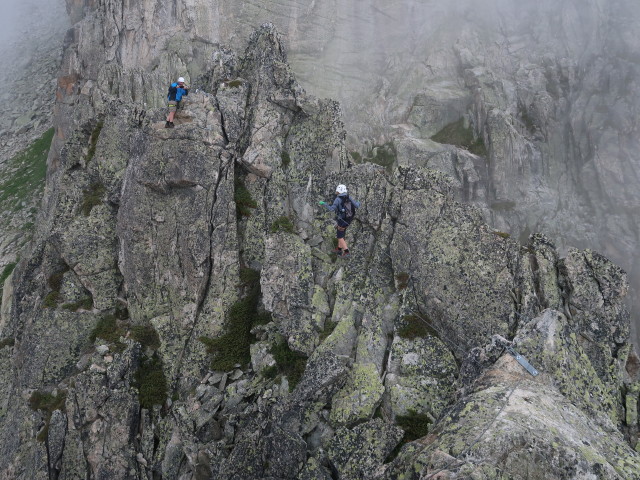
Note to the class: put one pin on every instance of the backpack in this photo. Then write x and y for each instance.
(348, 211)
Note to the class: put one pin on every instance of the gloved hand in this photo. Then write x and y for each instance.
(322, 203)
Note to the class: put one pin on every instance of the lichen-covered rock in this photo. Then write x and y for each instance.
(145, 267)
(100, 408)
(450, 253)
(357, 453)
(550, 344)
(595, 288)
(360, 396)
(420, 376)
(174, 213)
(287, 289)
(542, 415)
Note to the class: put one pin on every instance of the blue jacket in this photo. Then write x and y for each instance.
(336, 206)
(176, 93)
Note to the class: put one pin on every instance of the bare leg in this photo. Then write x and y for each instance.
(170, 117)
(342, 244)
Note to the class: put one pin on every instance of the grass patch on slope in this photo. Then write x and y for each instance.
(456, 134)
(233, 346)
(244, 201)
(288, 363)
(283, 224)
(149, 376)
(23, 175)
(47, 403)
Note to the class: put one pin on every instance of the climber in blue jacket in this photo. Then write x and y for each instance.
(176, 92)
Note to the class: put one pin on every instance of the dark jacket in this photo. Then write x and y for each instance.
(336, 206)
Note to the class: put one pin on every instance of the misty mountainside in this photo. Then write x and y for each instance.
(31, 39)
(179, 315)
(532, 107)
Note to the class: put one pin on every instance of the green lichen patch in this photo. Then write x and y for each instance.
(244, 201)
(283, 224)
(121, 312)
(233, 346)
(151, 382)
(54, 282)
(6, 271)
(262, 318)
(402, 280)
(329, 327)
(526, 119)
(234, 83)
(456, 134)
(271, 372)
(7, 342)
(384, 155)
(415, 426)
(249, 277)
(286, 159)
(107, 329)
(360, 397)
(51, 300)
(356, 156)
(146, 335)
(502, 234)
(289, 363)
(415, 327)
(92, 197)
(93, 141)
(85, 303)
(47, 403)
(23, 176)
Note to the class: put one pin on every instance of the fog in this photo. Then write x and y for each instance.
(551, 86)
(28, 27)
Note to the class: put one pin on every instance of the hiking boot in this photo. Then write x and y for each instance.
(167, 125)
(345, 253)
(171, 125)
(336, 250)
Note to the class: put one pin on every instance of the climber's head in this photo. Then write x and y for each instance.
(341, 189)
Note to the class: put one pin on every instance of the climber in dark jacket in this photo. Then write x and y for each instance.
(176, 92)
(343, 217)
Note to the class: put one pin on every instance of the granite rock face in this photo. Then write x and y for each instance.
(179, 314)
(548, 88)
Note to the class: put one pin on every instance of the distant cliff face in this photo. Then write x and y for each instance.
(179, 314)
(549, 87)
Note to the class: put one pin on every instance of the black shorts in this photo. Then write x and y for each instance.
(340, 231)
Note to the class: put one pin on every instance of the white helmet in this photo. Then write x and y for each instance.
(341, 189)
(181, 80)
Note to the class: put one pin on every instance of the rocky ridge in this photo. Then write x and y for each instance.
(154, 243)
(548, 89)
